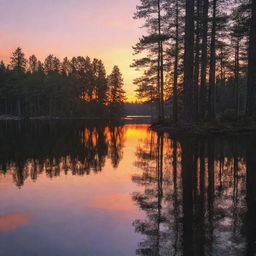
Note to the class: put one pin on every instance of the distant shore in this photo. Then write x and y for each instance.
(19, 118)
(127, 119)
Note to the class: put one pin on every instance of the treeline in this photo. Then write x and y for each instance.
(77, 87)
(137, 109)
(198, 58)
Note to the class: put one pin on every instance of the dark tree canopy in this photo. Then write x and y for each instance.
(199, 59)
(70, 88)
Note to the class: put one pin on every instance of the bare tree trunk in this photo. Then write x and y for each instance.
(222, 76)
(176, 63)
(204, 59)
(6, 106)
(162, 84)
(212, 79)
(38, 105)
(18, 107)
(251, 82)
(158, 84)
(189, 61)
(237, 68)
(160, 62)
(197, 60)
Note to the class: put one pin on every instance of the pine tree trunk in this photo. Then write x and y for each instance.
(18, 107)
(161, 70)
(251, 82)
(6, 107)
(204, 58)
(159, 84)
(176, 62)
(38, 105)
(162, 84)
(222, 76)
(197, 60)
(189, 62)
(237, 68)
(211, 97)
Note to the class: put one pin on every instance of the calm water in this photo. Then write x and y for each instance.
(123, 190)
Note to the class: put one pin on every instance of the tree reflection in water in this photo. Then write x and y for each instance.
(199, 195)
(29, 149)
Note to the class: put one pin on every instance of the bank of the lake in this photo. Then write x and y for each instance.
(206, 128)
(19, 118)
(129, 119)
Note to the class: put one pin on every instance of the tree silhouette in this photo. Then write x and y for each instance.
(72, 88)
(57, 149)
(196, 198)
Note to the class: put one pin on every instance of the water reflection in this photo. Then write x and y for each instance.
(29, 149)
(183, 196)
(199, 195)
(11, 222)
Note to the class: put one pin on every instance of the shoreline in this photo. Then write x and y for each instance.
(48, 118)
(178, 129)
(205, 129)
(125, 119)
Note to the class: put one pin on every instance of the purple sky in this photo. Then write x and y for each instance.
(98, 28)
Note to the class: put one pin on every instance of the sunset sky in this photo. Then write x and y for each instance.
(99, 29)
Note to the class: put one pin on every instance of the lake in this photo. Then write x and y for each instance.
(120, 189)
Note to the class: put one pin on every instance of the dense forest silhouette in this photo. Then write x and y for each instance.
(78, 87)
(199, 196)
(197, 59)
(30, 148)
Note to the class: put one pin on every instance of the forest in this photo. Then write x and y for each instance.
(78, 87)
(197, 59)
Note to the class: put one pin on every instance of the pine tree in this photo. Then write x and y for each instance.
(33, 63)
(198, 36)
(101, 83)
(251, 82)
(151, 12)
(189, 61)
(204, 60)
(18, 60)
(219, 21)
(175, 20)
(51, 63)
(238, 45)
(212, 72)
(116, 93)
(66, 67)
